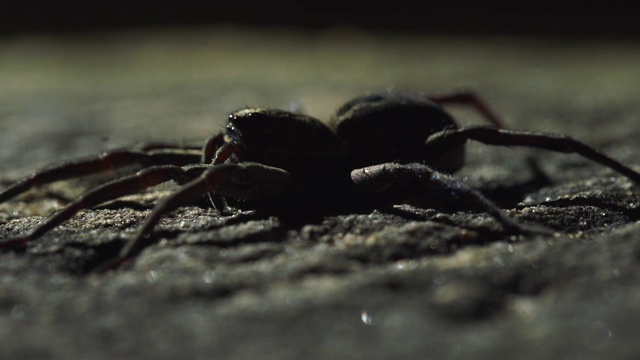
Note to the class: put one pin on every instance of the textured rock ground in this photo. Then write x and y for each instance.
(406, 280)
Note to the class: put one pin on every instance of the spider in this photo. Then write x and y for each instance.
(282, 159)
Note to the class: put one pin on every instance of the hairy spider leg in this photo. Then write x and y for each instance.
(553, 142)
(114, 189)
(209, 181)
(378, 177)
(209, 156)
(469, 98)
(223, 153)
(210, 148)
(161, 145)
(108, 161)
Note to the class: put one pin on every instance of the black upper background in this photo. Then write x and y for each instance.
(536, 18)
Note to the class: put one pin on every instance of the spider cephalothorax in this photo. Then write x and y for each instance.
(281, 159)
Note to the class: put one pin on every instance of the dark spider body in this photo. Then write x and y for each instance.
(320, 157)
(283, 160)
(303, 146)
(383, 128)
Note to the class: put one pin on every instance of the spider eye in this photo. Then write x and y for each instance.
(232, 132)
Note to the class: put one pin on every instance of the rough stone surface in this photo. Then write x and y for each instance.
(406, 280)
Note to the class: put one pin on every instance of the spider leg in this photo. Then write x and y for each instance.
(377, 178)
(217, 150)
(210, 148)
(554, 142)
(209, 156)
(158, 145)
(107, 161)
(469, 98)
(114, 189)
(226, 179)
(223, 150)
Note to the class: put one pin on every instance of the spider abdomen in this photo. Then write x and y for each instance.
(390, 127)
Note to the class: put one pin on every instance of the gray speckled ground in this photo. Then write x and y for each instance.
(401, 281)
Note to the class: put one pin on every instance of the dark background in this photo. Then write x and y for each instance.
(534, 18)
